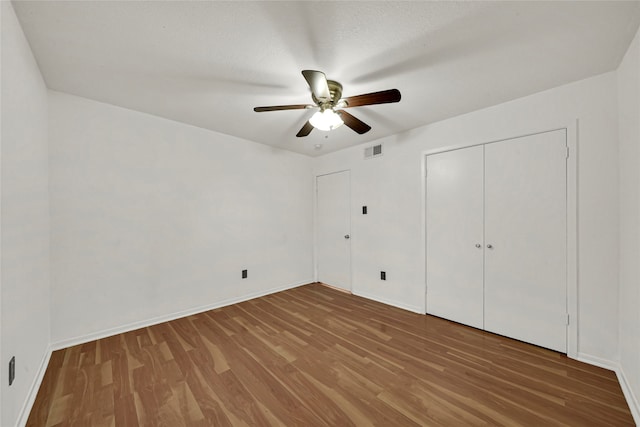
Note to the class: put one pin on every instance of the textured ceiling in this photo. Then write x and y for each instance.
(209, 63)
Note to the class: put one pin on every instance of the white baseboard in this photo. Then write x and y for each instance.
(598, 361)
(23, 417)
(629, 395)
(413, 308)
(632, 399)
(168, 317)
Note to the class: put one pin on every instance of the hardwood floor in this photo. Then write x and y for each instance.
(314, 356)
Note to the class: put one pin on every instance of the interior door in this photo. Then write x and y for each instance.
(454, 227)
(333, 229)
(525, 239)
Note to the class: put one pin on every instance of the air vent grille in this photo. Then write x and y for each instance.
(373, 151)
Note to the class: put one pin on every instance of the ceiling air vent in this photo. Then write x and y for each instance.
(373, 151)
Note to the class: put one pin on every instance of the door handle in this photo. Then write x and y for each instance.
(346, 236)
(478, 245)
(489, 246)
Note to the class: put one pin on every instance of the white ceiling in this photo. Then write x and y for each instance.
(209, 63)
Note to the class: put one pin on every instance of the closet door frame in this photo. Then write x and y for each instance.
(572, 220)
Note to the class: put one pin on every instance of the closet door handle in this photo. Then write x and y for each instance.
(478, 245)
(489, 246)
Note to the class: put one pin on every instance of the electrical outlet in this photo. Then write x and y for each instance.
(244, 274)
(12, 370)
(383, 275)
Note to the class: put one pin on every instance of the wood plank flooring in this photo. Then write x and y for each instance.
(314, 356)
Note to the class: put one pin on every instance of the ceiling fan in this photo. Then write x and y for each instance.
(327, 95)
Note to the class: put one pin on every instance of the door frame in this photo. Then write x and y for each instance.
(315, 227)
(572, 222)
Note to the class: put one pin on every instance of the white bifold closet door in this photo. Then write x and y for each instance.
(496, 237)
(454, 215)
(526, 239)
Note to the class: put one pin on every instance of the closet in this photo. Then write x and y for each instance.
(496, 243)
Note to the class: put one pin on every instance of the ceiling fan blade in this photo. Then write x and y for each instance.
(354, 123)
(306, 130)
(318, 84)
(282, 107)
(382, 97)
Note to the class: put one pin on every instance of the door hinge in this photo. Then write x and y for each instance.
(567, 152)
(568, 319)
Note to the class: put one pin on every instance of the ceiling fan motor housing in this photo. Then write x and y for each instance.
(335, 89)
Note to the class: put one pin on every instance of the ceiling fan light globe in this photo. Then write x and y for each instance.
(326, 120)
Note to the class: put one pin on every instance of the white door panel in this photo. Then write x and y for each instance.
(333, 224)
(525, 239)
(454, 227)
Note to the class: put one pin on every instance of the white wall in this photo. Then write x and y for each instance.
(629, 133)
(390, 237)
(152, 217)
(24, 260)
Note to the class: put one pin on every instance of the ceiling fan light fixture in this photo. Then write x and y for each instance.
(326, 120)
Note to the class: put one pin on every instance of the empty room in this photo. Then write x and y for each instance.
(319, 213)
